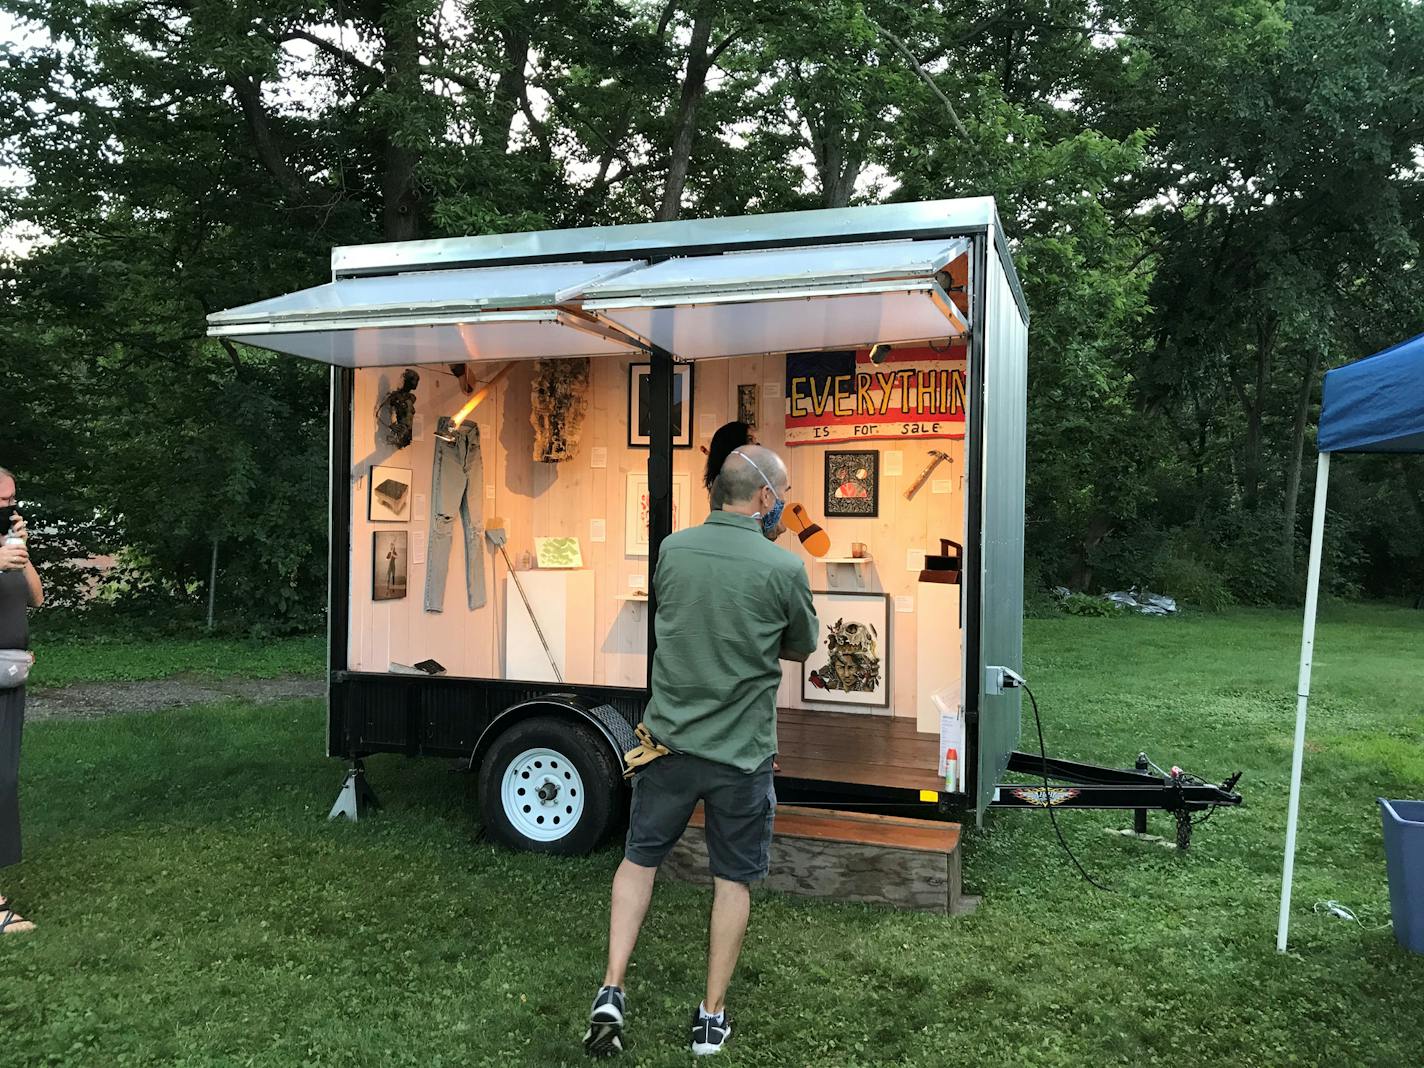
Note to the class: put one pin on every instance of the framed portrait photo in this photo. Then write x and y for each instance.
(390, 564)
(852, 483)
(639, 424)
(851, 663)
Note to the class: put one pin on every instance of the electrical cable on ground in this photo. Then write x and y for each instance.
(1047, 794)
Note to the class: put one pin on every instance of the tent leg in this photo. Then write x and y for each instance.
(1307, 650)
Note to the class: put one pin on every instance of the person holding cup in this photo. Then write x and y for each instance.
(20, 590)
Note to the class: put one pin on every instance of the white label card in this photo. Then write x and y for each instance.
(706, 425)
(894, 462)
(771, 389)
(904, 603)
(915, 560)
(420, 507)
(638, 583)
(598, 458)
(417, 430)
(598, 530)
(942, 485)
(417, 548)
(489, 493)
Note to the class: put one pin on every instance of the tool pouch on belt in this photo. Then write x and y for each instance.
(647, 751)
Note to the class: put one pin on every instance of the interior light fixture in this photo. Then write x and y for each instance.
(878, 352)
(474, 401)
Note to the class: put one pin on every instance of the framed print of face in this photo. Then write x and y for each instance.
(636, 510)
(390, 560)
(851, 664)
(390, 494)
(853, 483)
(639, 426)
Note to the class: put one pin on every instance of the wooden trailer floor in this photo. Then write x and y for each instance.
(858, 748)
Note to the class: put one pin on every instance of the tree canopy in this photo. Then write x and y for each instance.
(1210, 203)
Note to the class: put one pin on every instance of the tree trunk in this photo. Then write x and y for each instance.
(699, 62)
(400, 197)
(1097, 529)
(509, 90)
(1254, 405)
(1302, 413)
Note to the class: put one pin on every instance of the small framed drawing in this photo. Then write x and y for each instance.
(853, 483)
(390, 560)
(636, 508)
(390, 495)
(639, 425)
(558, 552)
(748, 405)
(851, 664)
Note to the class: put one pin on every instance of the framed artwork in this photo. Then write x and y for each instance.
(852, 483)
(639, 428)
(558, 552)
(390, 564)
(748, 404)
(390, 495)
(851, 664)
(636, 508)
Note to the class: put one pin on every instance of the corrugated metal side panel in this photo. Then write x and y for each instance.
(1005, 417)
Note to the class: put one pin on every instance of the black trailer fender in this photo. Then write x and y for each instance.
(604, 719)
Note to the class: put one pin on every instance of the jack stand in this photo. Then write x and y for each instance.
(355, 796)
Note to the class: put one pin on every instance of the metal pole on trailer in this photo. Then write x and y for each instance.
(1307, 650)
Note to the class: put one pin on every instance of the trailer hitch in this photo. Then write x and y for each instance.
(1190, 799)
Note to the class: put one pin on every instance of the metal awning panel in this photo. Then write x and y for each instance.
(788, 300)
(489, 313)
(423, 339)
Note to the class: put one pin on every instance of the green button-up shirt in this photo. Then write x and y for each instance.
(729, 603)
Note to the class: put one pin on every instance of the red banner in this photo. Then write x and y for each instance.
(835, 397)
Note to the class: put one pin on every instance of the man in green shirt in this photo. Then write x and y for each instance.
(730, 605)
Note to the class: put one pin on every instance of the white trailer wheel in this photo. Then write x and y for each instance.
(551, 785)
(543, 794)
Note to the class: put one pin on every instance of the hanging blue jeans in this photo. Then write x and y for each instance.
(457, 481)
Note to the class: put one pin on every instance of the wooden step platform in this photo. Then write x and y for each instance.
(846, 856)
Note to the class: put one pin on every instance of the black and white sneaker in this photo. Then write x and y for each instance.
(605, 1023)
(709, 1033)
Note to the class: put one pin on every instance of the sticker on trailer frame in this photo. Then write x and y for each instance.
(1033, 795)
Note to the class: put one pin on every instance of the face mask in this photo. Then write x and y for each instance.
(771, 519)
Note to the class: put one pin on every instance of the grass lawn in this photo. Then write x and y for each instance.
(198, 910)
(111, 659)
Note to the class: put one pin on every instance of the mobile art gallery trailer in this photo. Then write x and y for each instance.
(566, 380)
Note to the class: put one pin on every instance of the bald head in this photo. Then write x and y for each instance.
(739, 482)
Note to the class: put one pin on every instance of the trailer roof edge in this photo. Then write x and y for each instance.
(680, 237)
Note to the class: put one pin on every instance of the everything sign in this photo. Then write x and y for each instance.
(841, 396)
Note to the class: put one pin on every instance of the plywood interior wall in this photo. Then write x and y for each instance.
(537, 499)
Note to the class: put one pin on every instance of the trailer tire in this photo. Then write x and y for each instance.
(548, 785)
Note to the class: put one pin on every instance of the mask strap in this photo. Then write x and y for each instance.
(758, 470)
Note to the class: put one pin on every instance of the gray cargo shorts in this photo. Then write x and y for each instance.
(740, 807)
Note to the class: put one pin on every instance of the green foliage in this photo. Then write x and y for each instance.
(182, 861)
(1209, 204)
(1080, 604)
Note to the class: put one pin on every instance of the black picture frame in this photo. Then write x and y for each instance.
(382, 543)
(682, 397)
(843, 466)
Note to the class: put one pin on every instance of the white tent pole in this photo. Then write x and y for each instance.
(1307, 649)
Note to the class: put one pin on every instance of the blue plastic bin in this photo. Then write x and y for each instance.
(1404, 860)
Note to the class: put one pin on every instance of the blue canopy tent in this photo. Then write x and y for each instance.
(1373, 405)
